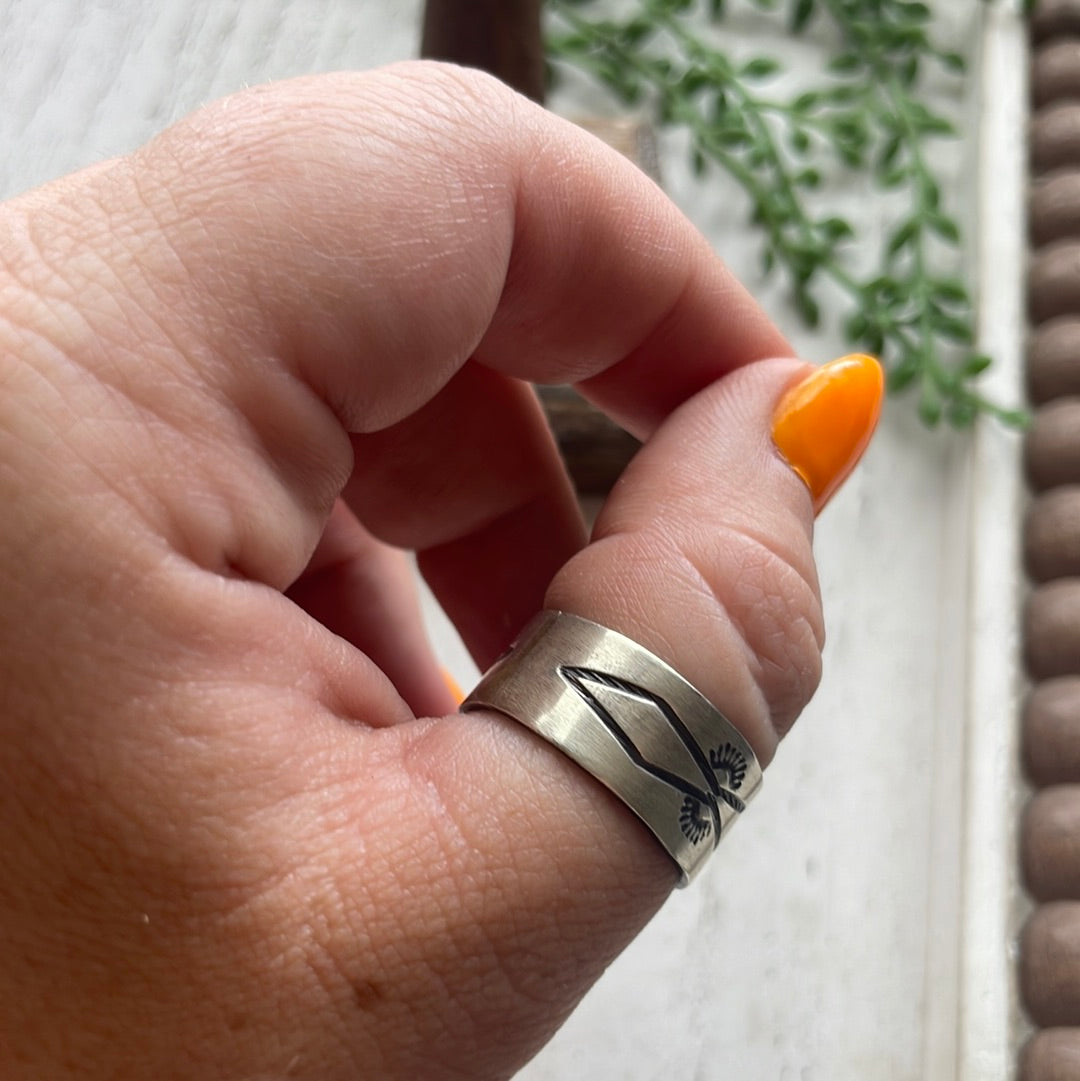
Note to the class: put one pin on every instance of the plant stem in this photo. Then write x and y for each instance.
(870, 105)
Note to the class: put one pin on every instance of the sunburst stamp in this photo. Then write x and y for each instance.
(731, 762)
(693, 822)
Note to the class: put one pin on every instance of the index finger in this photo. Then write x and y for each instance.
(322, 257)
(524, 241)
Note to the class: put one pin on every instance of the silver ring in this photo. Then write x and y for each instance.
(631, 721)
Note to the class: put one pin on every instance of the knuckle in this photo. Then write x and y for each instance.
(299, 134)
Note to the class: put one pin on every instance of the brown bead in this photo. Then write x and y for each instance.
(1053, 353)
(1055, 136)
(1050, 732)
(1054, 207)
(1052, 446)
(1050, 844)
(1052, 534)
(1052, 629)
(1050, 964)
(1054, 280)
(1054, 19)
(1055, 71)
(1051, 1055)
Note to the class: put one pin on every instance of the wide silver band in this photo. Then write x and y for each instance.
(634, 723)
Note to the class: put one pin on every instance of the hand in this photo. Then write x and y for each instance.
(237, 367)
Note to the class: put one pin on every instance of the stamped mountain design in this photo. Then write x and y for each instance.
(655, 738)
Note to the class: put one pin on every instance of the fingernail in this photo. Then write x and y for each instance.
(452, 687)
(823, 424)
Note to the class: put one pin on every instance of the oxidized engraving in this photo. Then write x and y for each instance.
(700, 810)
(731, 762)
(694, 825)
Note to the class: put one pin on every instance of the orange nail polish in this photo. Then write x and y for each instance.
(452, 687)
(823, 424)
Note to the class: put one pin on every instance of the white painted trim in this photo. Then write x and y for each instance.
(988, 1019)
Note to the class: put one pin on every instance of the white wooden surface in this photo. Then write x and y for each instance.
(832, 938)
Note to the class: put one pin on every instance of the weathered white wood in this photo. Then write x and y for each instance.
(989, 1020)
(844, 925)
(87, 79)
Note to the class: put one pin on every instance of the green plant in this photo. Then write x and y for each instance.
(867, 115)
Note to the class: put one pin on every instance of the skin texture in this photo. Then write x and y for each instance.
(237, 366)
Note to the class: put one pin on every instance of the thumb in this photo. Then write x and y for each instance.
(702, 555)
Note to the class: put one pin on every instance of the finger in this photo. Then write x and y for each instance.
(473, 481)
(365, 592)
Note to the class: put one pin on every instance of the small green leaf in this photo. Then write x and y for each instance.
(570, 43)
(903, 236)
(884, 289)
(845, 63)
(808, 309)
(908, 71)
(976, 364)
(851, 155)
(944, 226)
(837, 229)
(954, 329)
(799, 141)
(844, 94)
(761, 67)
(961, 412)
(733, 138)
(902, 376)
(856, 326)
(893, 178)
(693, 81)
(930, 410)
(954, 62)
(849, 126)
(807, 178)
(952, 291)
(637, 31)
(889, 153)
(915, 11)
(1014, 418)
(801, 15)
(806, 101)
(936, 125)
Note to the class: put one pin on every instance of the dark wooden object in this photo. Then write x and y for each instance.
(498, 36)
